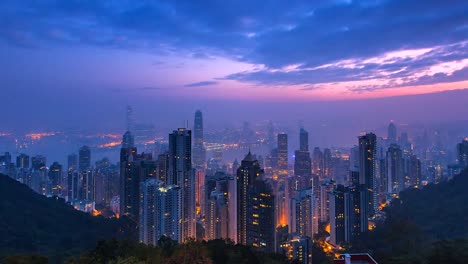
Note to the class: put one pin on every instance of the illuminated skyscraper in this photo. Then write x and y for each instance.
(84, 158)
(302, 161)
(306, 222)
(180, 173)
(337, 215)
(22, 161)
(317, 162)
(260, 226)
(55, 179)
(462, 152)
(199, 152)
(72, 178)
(283, 151)
(246, 174)
(394, 164)
(367, 171)
(159, 211)
(415, 170)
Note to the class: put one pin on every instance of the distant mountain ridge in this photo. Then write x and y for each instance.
(33, 224)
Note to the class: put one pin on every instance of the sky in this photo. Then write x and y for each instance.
(79, 63)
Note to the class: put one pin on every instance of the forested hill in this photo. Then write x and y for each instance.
(33, 224)
(423, 223)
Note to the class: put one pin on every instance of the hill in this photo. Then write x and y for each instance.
(421, 223)
(33, 224)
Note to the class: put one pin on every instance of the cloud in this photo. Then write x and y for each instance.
(199, 84)
(291, 42)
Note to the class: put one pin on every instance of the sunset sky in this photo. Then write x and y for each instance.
(98, 55)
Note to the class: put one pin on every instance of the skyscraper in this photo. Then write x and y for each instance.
(462, 152)
(130, 121)
(302, 161)
(84, 159)
(159, 211)
(246, 174)
(283, 151)
(392, 133)
(367, 171)
(303, 140)
(129, 182)
(260, 226)
(394, 164)
(180, 173)
(337, 215)
(306, 221)
(415, 170)
(55, 179)
(86, 179)
(199, 152)
(128, 140)
(22, 161)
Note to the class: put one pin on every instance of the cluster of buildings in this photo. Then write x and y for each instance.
(264, 202)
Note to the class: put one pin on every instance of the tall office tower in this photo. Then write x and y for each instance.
(130, 121)
(282, 201)
(22, 161)
(260, 226)
(72, 177)
(326, 187)
(392, 133)
(134, 168)
(159, 211)
(22, 166)
(86, 179)
(352, 213)
(327, 162)
(86, 185)
(217, 217)
(317, 162)
(395, 177)
(129, 183)
(162, 165)
(246, 174)
(303, 140)
(199, 152)
(305, 220)
(84, 159)
(38, 174)
(367, 171)
(462, 152)
(283, 151)
(415, 170)
(302, 161)
(102, 182)
(55, 179)
(337, 213)
(128, 141)
(180, 173)
(270, 135)
(72, 162)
